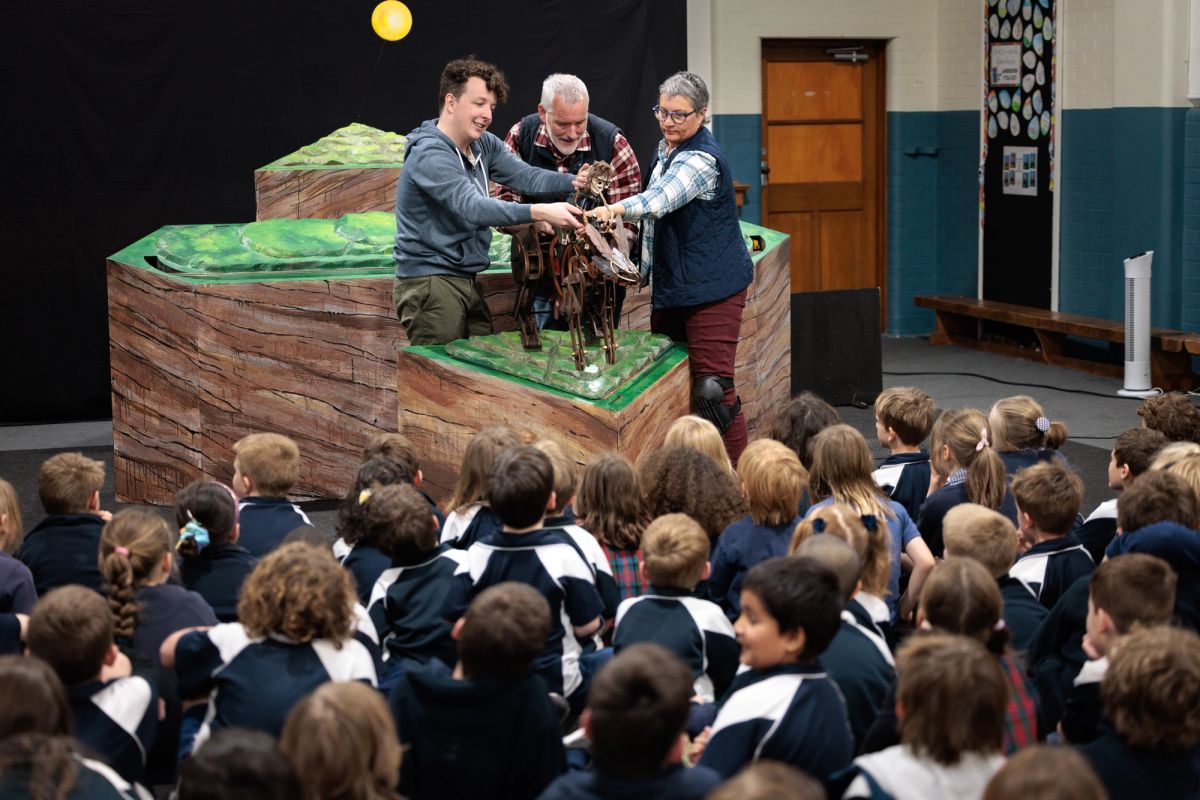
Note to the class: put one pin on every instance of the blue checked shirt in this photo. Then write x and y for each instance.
(958, 476)
(692, 174)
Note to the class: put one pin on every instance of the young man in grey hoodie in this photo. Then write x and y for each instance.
(444, 214)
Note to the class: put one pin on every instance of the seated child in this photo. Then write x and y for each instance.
(356, 548)
(114, 712)
(674, 560)
(609, 504)
(1132, 454)
(397, 447)
(975, 532)
(784, 707)
(17, 594)
(966, 469)
(1150, 693)
(1124, 592)
(1022, 434)
(699, 434)
(488, 729)
(635, 716)
(1045, 772)
(772, 479)
(212, 563)
(680, 480)
(238, 764)
(40, 757)
(950, 703)
(461, 528)
(798, 421)
(407, 600)
(1174, 415)
(1048, 497)
(520, 491)
(61, 549)
(295, 633)
(769, 780)
(903, 419)
(265, 467)
(342, 739)
(858, 659)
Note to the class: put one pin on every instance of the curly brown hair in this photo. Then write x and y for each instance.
(1152, 689)
(683, 480)
(456, 74)
(1174, 415)
(609, 503)
(797, 421)
(300, 592)
(132, 546)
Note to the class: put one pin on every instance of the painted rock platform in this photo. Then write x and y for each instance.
(444, 401)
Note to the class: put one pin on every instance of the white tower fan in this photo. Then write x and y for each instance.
(1137, 326)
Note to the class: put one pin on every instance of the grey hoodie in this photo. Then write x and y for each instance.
(443, 213)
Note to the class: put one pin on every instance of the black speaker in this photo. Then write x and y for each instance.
(836, 348)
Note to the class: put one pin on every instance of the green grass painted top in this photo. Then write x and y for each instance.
(355, 146)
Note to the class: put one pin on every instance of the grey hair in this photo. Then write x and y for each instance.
(567, 87)
(688, 85)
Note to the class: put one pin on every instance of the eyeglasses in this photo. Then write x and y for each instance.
(678, 117)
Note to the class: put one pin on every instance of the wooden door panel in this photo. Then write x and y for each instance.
(818, 196)
(809, 90)
(800, 228)
(842, 250)
(815, 153)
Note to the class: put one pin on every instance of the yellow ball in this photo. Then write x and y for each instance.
(392, 20)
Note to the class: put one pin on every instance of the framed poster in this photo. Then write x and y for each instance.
(1005, 63)
(1019, 173)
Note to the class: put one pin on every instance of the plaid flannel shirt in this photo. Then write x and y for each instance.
(1020, 723)
(624, 565)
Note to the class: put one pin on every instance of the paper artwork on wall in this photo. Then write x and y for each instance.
(1005, 62)
(1020, 171)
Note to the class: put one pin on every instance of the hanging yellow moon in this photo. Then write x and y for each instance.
(392, 20)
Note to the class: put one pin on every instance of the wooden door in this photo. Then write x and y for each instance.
(823, 148)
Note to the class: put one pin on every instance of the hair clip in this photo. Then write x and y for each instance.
(983, 440)
(194, 531)
(1043, 424)
(818, 525)
(121, 551)
(869, 522)
(1000, 625)
(364, 496)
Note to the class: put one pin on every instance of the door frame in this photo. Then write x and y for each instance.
(795, 49)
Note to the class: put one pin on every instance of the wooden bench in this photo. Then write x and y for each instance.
(959, 318)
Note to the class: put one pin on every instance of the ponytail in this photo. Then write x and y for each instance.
(132, 546)
(987, 479)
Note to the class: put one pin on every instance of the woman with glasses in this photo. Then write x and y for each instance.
(692, 248)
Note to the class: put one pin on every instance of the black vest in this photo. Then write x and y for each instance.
(601, 132)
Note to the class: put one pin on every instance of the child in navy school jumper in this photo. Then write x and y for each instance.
(785, 707)
(17, 595)
(407, 600)
(114, 711)
(520, 490)
(295, 633)
(635, 717)
(951, 701)
(265, 467)
(1022, 434)
(772, 479)
(858, 659)
(674, 560)
(237, 763)
(610, 506)
(1048, 497)
(903, 419)
(841, 472)
(1124, 592)
(1045, 771)
(487, 729)
(356, 548)
(966, 469)
(342, 739)
(212, 563)
(468, 517)
(1132, 454)
(397, 447)
(1150, 693)
(975, 532)
(61, 549)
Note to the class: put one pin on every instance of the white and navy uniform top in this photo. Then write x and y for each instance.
(1050, 567)
(407, 605)
(254, 683)
(93, 781)
(263, 523)
(898, 774)
(791, 713)
(1098, 530)
(696, 630)
(593, 554)
(740, 546)
(549, 561)
(116, 721)
(861, 664)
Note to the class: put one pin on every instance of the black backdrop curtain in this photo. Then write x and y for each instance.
(125, 115)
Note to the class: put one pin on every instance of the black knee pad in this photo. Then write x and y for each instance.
(708, 399)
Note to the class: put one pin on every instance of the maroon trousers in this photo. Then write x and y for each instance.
(711, 332)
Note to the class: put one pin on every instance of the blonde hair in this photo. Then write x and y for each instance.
(989, 537)
(1172, 452)
(699, 434)
(11, 531)
(477, 462)
(300, 592)
(342, 740)
(962, 431)
(773, 479)
(674, 551)
(1014, 424)
(871, 546)
(842, 469)
(566, 471)
(271, 460)
(67, 481)
(906, 410)
(132, 546)
(610, 502)
(1188, 468)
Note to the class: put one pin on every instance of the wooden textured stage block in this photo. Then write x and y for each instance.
(444, 402)
(294, 193)
(763, 369)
